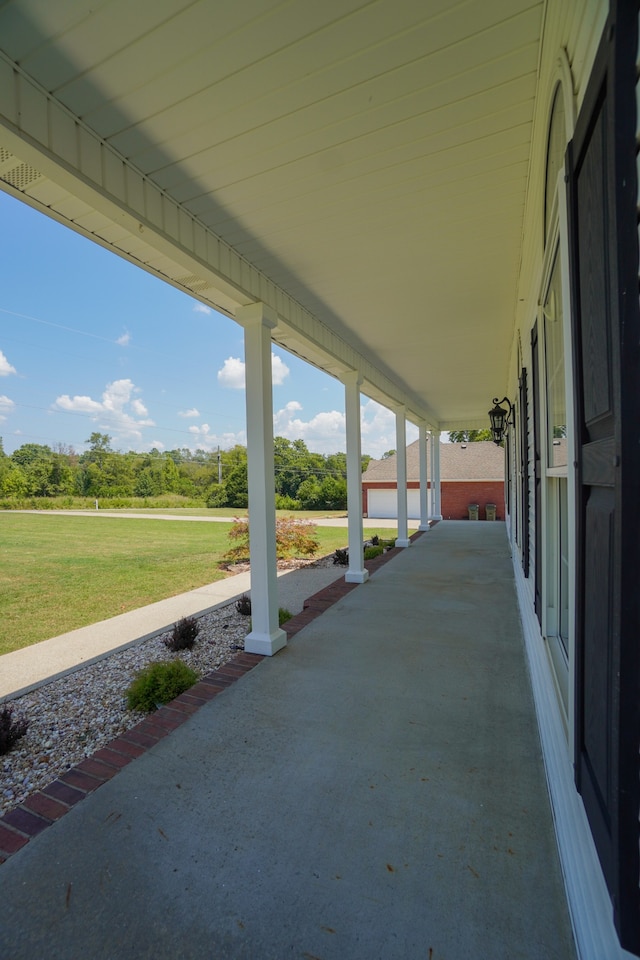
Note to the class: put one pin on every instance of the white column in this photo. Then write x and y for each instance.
(435, 479)
(356, 572)
(422, 449)
(431, 496)
(401, 477)
(266, 637)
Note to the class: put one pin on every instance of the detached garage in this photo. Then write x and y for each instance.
(470, 473)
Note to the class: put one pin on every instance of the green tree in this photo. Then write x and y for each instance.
(29, 453)
(13, 482)
(469, 436)
(99, 448)
(237, 487)
(333, 493)
(309, 494)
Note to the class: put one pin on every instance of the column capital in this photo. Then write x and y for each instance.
(254, 314)
(351, 378)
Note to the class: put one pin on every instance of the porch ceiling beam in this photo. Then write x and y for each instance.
(58, 145)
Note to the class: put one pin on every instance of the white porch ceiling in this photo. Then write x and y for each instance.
(365, 161)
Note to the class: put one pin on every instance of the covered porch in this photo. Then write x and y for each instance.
(375, 790)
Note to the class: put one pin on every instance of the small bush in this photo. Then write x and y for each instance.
(243, 605)
(217, 496)
(159, 683)
(294, 538)
(341, 557)
(283, 616)
(375, 540)
(284, 502)
(371, 552)
(11, 729)
(184, 634)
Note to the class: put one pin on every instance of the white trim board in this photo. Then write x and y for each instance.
(587, 896)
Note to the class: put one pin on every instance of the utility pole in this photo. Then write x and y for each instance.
(219, 466)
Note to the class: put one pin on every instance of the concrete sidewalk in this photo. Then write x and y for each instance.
(376, 790)
(23, 670)
(30, 667)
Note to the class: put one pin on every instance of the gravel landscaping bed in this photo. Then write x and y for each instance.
(72, 717)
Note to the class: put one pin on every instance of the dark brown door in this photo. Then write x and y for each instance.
(606, 336)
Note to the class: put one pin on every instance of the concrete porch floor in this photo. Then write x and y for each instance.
(376, 790)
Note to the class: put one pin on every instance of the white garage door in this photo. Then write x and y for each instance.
(384, 504)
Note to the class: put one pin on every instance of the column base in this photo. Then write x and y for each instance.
(424, 526)
(356, 576)
(265, 644)
(403, 543)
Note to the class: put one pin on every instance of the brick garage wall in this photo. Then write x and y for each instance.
(455, 496)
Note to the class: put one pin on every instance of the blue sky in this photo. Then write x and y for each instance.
(88, 342)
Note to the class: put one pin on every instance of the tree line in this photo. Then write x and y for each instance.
(303, 480)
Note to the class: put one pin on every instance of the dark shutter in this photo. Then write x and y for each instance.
(537, 473)
(606, 335)
(524, 470)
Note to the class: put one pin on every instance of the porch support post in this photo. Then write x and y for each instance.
(266, 637)
(401, 476)
(435, 476)
(356, 572)
(422, 449)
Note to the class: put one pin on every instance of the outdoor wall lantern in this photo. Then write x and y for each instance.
(499, 418)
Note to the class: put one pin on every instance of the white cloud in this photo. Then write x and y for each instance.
(124, 340)
(111, 412)
(193, 412)
(5, 367)
(204, 439)
(201, 308)
(139, 408)
(6, 406)
(323, 433)
(78, 404)
(378, 427)
(232, 375)
(279, 370)
(326, 431)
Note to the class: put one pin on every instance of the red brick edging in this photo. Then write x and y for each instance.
(49, 804)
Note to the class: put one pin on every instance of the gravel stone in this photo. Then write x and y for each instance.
(72, 717)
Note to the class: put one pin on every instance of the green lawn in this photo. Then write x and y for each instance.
(58, 573)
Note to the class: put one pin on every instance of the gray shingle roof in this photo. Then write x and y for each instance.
(482, 460)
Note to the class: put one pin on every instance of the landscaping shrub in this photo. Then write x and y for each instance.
(283, 616)
(341, 557)
(11, 729)
(371, 552)
(184, 634)
(159, 683)
(294, 538)
(243, 605)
